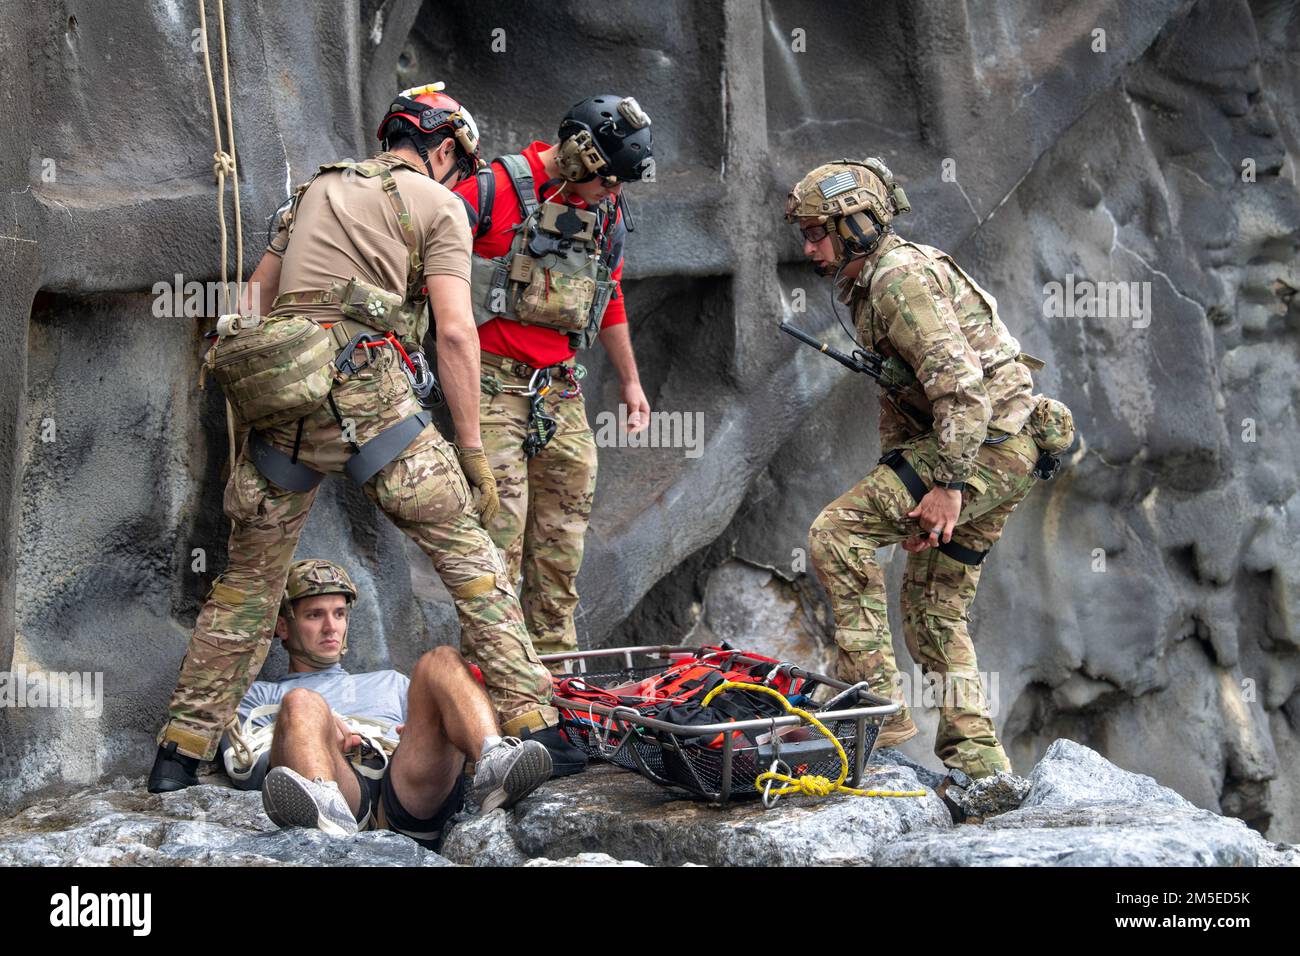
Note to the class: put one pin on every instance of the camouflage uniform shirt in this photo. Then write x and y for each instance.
(914, 303)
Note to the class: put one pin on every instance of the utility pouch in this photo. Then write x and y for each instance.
(369, 305)
(556, 300)
(521, 268)
(272, 370)
(1050, 425)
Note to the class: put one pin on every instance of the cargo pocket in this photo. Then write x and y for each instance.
(229, 609)
(426, 487)
(246, 493)
(945, 586)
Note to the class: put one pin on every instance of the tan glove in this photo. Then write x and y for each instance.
(479, 474)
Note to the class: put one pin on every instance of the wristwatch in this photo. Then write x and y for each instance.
(951, 485)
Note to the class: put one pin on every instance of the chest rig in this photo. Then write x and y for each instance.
(557, 271)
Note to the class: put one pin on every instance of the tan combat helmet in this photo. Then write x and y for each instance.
(307, 579)
(311, 577)
(855, 199)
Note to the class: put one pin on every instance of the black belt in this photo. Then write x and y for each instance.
(515, 367)
(917, 489)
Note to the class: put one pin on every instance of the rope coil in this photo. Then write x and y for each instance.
(812, 785)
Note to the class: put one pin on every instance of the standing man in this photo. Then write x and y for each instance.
(548, 260)
(364, 247)
(964, 442)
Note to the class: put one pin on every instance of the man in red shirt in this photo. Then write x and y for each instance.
(546, 270)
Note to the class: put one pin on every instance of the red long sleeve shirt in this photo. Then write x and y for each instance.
(530, 344)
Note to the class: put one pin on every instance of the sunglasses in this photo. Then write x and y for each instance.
(815, 233)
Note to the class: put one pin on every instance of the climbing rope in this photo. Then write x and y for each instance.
(249, 743)
(811, 785)
(224, 164)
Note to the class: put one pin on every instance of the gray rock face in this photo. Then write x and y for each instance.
(1095, 835)
(1085, 812)
(1145, 603)
(205, 825)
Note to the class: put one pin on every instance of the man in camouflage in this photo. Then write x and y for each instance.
(961, 448)
(395, 232)
(547, 487)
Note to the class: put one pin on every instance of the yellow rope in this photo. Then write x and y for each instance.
(812, 785)
(224, 164)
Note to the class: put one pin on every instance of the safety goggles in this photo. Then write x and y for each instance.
(815, 233)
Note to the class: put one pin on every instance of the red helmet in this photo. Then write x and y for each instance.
(428, 109)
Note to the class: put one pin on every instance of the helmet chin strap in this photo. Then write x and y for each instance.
(424, 156)
(843, 256)
(455, 167)
(297, 652)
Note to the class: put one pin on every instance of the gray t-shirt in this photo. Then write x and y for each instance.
(380, 695)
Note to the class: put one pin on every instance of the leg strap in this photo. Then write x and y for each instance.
(280, 468)
(917, 489)
(384, 447)
(906, 474)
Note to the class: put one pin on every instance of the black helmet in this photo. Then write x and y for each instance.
(606, 136)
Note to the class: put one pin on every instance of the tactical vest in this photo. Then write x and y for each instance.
(557, 271)
(370, 305)
(994, 344)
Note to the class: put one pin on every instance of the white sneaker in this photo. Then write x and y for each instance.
(508, 772)
(291, 800)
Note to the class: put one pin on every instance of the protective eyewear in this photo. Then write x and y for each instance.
(815, 233)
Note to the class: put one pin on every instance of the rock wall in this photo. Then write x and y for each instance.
(1143, 603)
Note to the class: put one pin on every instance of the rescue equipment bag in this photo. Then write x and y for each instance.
(272, 369)
(675, 695)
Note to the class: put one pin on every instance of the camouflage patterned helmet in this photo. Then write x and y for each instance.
(312, 577)
(846, 186)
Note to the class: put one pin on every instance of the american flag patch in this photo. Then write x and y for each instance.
(832, 186)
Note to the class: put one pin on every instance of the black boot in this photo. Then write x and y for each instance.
(565, 758)
(172, 771)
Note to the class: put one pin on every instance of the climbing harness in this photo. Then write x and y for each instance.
(541, 425)
(278, 369)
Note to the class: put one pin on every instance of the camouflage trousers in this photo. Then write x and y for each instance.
(545, 502)
(937, 590)
(425, 494)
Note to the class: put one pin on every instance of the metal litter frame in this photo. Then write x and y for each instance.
(628, 725)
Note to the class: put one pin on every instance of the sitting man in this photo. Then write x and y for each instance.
(316, 741)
